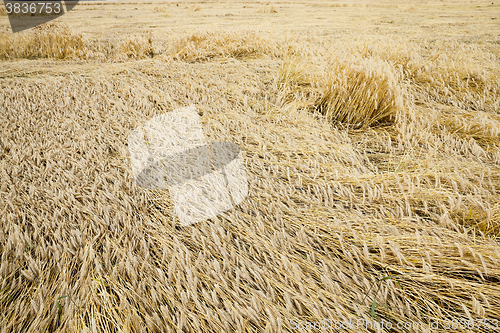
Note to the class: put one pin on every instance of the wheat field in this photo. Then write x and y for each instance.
(371, 138)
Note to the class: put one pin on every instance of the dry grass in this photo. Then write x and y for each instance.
(51, 40)
(161, 9)
(206, 45)
(328, 4)
(56, 40)
(194, 8)
(267, 9)
(293, 74)
(346, 219)
(137, 47)
(361, 95)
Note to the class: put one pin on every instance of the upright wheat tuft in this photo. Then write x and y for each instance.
(360, 95)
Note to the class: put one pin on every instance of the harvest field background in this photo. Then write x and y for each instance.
(371, 136)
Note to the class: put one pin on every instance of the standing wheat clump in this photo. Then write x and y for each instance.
(50, 40)
(361, 95)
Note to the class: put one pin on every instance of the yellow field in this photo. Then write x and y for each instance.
(371, 137)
